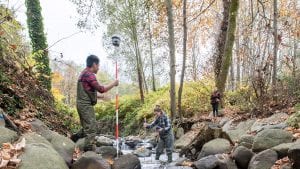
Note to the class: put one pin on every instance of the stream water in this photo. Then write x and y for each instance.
(151, 163)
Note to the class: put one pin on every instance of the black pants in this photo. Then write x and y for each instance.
(215, 109)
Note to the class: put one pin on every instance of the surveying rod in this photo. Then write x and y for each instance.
(116, 43)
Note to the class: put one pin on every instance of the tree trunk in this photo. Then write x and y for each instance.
(221, 40)
(232, 75)
(151, 50)
(226, 60)
(194, 62)
(295, 54)
(172, 58)
(134, 38)
(275, 46)
(238, 57)
(183, 60)
(139, 73)
(38, 42)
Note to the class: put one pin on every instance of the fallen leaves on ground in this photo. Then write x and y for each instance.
(294, 131)
(76, 154)
(279, 163)
(9, 154)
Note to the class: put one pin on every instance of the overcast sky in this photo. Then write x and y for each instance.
(60, 18)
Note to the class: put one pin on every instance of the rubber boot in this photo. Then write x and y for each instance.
(157, 156)
(169, 158)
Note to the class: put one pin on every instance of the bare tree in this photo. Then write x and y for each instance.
(172, 58)
(183, 59)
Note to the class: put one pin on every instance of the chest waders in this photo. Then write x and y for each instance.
(85, 107)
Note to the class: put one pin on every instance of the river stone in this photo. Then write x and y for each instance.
(128, 161)
(216, 146)
(91, 160)
(187, 138)
(38, 126)
(282, 149)
(35, 138)
(80, 144)
(242, 128)
(63, 145)
(270, 138)
(104, 141)
(107, 151)
(208, 162)
(262, 124)
(41, 156)
(287, 166)
(228, 126)
(219, 161)
(294, 154)
(223, 121)
(7, 135)
(242, 156)
(132, 141)
(263, 160)
(142, 152)
(179, 132)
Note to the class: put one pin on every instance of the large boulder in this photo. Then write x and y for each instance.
(206, 133)
(7, 135)
(132, 141)
(294, 154)
(270, 122)
(179, 132)
(188, 137)
(142, 152)
(209, 162)
(107, 151)
(242, 156)
(216, 146)
(128, 161)
(104, 141)
(152, 139)
(219, 161)
(80, 143)
(63, 145)
(35, 138)
(91, 160)
(246, 141)
(282, 149)
(263, 160)
(270, 138)
(240, 130)
(38, 126)
(41, 156)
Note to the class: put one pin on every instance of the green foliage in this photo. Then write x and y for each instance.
(195, 99)
(243, 98)
(70, 115)
(38, 41)
(294, 120)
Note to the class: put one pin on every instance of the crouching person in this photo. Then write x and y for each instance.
(163, 126)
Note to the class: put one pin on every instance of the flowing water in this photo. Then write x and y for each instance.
(151, 163)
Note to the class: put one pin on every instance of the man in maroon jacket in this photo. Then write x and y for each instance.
(87, 88)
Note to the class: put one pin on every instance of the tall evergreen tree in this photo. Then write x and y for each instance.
(38, 41)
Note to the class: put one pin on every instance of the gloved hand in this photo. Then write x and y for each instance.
(161, 131)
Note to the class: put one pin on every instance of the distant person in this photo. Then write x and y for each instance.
(87, 88)
(215, 100)
(163, 126)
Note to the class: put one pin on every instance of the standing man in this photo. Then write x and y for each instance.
(163, 126)
(87, 88)
(215, 99)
